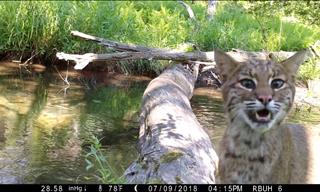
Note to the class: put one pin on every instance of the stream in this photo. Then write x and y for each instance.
(46, 123)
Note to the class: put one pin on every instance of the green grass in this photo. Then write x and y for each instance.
(310, 70)
(95, 159)
(44, 27)
(111, 114)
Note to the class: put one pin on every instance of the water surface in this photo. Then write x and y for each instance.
(45, 124)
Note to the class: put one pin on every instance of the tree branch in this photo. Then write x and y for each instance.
(189, 10)
(114, 44)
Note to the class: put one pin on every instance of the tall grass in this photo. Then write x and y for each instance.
(97, 160)
(44, 27)
(310, 70)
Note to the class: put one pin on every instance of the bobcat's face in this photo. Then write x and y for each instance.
(257, 93)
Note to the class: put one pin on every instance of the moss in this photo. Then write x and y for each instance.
(171, 156)
(156, 167)
(144, 165)
(155, 181)
(178, 180)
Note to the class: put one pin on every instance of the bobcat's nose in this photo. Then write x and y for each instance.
(264, 99)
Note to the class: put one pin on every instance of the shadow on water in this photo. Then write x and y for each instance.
(45, 131)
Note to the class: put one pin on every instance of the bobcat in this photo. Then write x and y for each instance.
(257, 147)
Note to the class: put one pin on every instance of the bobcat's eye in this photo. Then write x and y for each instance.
(277, 83)
(248, 83)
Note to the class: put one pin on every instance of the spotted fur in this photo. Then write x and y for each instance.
(257, 146)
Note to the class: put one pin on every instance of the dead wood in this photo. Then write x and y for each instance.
(173, 147)
(135, 52)
(114, 44)
(83, 60)
(189, 10)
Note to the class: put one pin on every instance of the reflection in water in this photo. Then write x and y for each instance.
(44, 133)
(209, 112)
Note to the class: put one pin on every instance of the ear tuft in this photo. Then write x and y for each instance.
(292, 63)
(225, 63)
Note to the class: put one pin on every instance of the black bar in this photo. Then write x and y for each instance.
(157, 188)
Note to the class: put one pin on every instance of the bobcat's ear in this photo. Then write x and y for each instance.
(225, 63)
(292, 63)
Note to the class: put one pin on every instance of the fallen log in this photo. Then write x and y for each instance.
(173, 147)
(83, 60)
(135, 52)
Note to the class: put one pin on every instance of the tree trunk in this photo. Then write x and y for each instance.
(173, 147)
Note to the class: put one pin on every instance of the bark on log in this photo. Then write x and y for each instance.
(173, 147)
